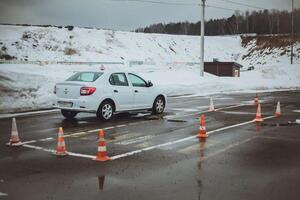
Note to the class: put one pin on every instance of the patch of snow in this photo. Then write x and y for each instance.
(165, 61)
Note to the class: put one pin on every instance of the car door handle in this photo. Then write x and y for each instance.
(136, 91)
(116, 91)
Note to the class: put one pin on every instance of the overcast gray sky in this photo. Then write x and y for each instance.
(118, 15)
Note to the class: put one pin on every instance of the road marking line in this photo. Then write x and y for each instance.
(128, 136)
(38, 140)
(182, 140)
(3, 194)
(234, 106)
(120, 126)
(227, 148)
(81, 155)
(75, 134)
(135, 140)
(39, 148)
(146, 148)
(53, 151)
(133, 123)
(196, 147)
(46, 139)
(206, 111)
(94, 130)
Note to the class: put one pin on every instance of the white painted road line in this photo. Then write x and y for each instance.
(53, 151)
(135, 140)
(227, 148)
(39, 148)
(120, 126)
(147, 148)
(205, 111)
(3, 194)
(39, 140)
(3, 116)
(182, 140)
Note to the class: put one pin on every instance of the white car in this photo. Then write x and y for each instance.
(107, 92)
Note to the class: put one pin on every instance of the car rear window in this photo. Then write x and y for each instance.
(85, 76)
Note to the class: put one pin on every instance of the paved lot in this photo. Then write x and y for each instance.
(158, 157)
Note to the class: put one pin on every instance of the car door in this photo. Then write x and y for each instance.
(122, 91)
(143, 95)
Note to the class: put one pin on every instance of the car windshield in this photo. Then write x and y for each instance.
(85, 76)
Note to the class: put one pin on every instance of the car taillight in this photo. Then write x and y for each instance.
(54, 89)
(87, 90)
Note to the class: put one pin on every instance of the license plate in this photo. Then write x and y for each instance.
(65, 104)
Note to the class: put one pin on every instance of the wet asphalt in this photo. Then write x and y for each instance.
(251, 161)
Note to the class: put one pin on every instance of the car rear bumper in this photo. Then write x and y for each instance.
(80, 105)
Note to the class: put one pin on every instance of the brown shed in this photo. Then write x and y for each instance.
(223, 68)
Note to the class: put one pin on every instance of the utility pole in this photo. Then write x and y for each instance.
(292, 45)
(202, 39)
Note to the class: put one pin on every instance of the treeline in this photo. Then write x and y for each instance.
(259, 22)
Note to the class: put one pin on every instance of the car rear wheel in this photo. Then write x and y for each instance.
(105, 111)
(158, 105)
(69, 114)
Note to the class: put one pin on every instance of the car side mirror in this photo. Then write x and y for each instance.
(149, 84)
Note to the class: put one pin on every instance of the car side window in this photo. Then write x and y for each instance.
(137, 81)
(118, 79)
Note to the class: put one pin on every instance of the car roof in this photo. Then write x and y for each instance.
(110, 70)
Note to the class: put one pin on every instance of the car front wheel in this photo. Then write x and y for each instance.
(69, 114)
(105, 111)
(158, 105)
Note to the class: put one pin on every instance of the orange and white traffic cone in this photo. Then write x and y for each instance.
(256, 100)
(202, 130)
(14, 138)
(278, 110)
(211, 105)
(102, 153)
(61, 145)
(258, 117)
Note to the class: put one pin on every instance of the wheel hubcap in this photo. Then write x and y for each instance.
(159, 105)
(107, 111)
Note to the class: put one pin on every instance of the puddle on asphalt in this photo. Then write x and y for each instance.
(238, 113)
(177, 120)
(289, 123)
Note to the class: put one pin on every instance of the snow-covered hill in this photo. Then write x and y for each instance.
(167, 61)
(79, 45)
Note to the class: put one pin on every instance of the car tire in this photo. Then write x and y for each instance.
(69, 114)
(158, 105)
(105, 111)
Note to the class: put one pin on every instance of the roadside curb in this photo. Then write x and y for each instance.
(31, 113)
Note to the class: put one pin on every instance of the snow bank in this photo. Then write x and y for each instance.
(30, 86)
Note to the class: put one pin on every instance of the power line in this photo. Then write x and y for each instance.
(222, 8)
(159, 2)
(243, 4)
(175, 4)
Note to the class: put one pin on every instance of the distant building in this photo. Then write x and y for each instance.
(231, 69)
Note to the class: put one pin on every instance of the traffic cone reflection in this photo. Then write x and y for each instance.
(278, 110)
(14, 138)
(101, 180)
(102, 153)
(61, 146)
(202, 130)
(256, 100)
(211, 105)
